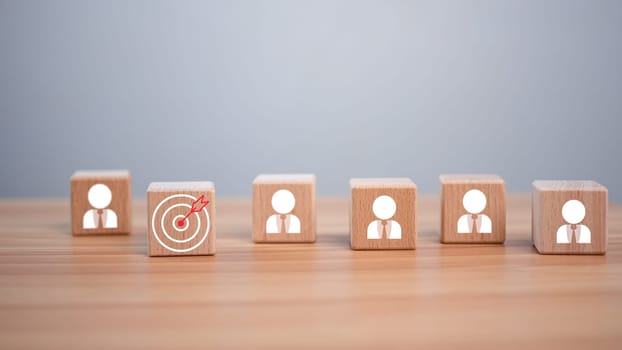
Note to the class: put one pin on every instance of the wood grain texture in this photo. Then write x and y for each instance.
(548, 198)
(168, 203)
(364, 192)
(302, 186)
(453, 189)
(59, 291)
(120, 184)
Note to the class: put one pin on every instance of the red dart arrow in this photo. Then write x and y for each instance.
(197, 206)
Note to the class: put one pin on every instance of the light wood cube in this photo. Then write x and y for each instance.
(383, 213)
(101, 202)
(284, 208)
(569, 217)
(181, 218)
(472, 208)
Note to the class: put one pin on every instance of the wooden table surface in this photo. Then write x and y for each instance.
(59, 291)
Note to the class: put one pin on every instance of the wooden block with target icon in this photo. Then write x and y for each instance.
(181, 218)
(284, 208)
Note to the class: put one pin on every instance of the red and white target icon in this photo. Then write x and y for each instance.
(181, 222)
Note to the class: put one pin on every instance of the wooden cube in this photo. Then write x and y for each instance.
(569, 217)
(101, 202)
(284, 208)
(181, 218)
(383, 213)
(472, 208)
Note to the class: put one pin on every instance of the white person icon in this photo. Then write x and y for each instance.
(99, 197)
(384, 208)
(283, 202)
(573, 213)
(474, 202)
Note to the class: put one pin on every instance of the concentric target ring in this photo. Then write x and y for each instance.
(183, 228)
(164, 231)
(163, 224)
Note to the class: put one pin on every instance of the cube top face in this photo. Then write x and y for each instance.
(471, 178)
(569, 217)
(382, 214)
(473, 209)
(181, 186)
(100, 174)
(101, 202)
(181, 218)
(568, 185)
(388, 182)
(285, 178)
(284, 208)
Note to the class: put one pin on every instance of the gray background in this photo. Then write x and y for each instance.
(224, 90)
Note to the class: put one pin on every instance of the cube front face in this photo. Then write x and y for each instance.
(569, 221)
(473, 212)
(284, 209)
(101, 202)
(383, 217)
(181, 221)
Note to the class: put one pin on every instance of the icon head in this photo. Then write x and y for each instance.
(283, 201)
(573, 211)
(474, 201)
(384, 207)
(99, 196)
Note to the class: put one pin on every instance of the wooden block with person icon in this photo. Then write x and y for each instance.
(284, 208)
(382, 213)
(101, 202)
(472, 208)
(569, 217)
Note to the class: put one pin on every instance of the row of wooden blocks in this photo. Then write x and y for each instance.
(568, 217)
